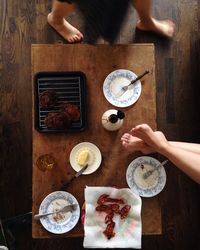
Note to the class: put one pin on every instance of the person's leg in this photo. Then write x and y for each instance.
(192, 147)
(148, 23)
(57, 20)
(132, 144)
(184, 159)
(155, 140)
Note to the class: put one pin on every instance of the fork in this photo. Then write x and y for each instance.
(148, 173)
(68, 208)
(125, 88)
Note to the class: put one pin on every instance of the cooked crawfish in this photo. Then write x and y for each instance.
(112, 208)
(105, 198)
(113, 200)
(124, 211)
(109, 230)
(104, 208)
(109, 217)
(102, 199)
(115, 208)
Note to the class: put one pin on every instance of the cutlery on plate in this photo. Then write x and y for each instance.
(149, 172)
(125, 88)
(65, 209)
(74, 177)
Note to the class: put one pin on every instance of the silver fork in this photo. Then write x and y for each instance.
(125, 88)
(148, 173)
(68, 208)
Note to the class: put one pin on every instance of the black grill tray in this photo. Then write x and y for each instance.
(70, 87)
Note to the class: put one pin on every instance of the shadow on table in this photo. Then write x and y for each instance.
(103, 18)
(13, 228)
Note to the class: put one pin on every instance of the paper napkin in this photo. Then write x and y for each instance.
(127, 231)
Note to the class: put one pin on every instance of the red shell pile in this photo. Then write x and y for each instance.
(111, 206)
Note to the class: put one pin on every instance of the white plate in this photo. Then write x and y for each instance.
(114, 83)
(151, 186)
(94, 158)
(51, 203)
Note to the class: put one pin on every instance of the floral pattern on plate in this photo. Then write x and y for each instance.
(114, 83)
(57, 200)
(151, 186)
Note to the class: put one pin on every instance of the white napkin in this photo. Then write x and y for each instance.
(127, 231)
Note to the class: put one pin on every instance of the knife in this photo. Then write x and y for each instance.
(68, 208)
(74, 177)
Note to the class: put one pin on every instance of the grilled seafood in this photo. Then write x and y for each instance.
(105, 198)
(109, 230)
(124, 211)
(111, 206)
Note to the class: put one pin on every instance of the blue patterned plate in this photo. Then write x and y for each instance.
(61, 222)
(114, 83)
(151, 186)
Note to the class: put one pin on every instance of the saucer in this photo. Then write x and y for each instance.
(151, 186)
(114, 83)
(94, 157)
(66, 221)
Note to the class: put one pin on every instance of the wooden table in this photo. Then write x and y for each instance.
(96, 61)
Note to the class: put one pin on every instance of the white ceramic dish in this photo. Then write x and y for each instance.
(51, 203)
(114, 83)
(94, 157)
(151, 186)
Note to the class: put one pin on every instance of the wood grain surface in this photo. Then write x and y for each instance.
(22, 23)
(93, 62)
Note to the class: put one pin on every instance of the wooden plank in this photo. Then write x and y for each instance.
(96, 62)
(180, 218)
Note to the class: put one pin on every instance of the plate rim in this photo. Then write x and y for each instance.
(97, 150)
(121, 105)
(130, 166)
(43, 220)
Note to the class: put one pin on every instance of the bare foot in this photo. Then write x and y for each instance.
(132, 144)
(155, 140)
(65, 29)
(164, 28)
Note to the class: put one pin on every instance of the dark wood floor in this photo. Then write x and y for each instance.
(22, 23)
